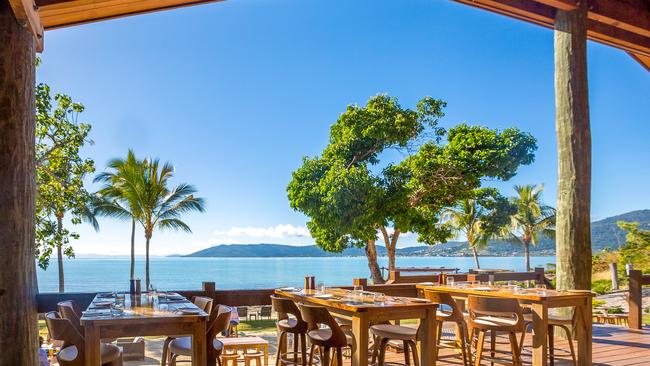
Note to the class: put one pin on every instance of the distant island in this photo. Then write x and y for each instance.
(604, 234)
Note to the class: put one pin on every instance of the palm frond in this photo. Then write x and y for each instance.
(174, 224)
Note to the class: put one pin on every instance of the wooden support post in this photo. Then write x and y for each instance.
(573, 232)
(209, 290)
(18, 322)
(635, 298)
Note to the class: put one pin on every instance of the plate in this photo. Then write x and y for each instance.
(416, 299)
(288, 289)
(190, 311)
(102, 303)
(324, 296)
(483, 288)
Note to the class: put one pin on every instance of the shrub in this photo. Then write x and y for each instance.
(597, 303)
(615, 310)
(601, 286)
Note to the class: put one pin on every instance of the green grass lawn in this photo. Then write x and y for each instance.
(263, 325)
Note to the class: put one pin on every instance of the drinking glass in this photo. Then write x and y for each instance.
(379, 299)
(321, 287)
(117, 309)
(541, 289)
(450, 280)
(358, 293)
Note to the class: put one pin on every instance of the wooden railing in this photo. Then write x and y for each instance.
(635, 298)
(397, 275)
(48, 301)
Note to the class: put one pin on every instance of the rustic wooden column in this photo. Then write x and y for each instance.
(573, 235)
(18, 323)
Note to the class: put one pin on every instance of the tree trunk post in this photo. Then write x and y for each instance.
(132, 249)
(147, 266)
(613, 268)
(478, 266)
(59, 253)
(527, 255)
(573, 231)
(18, 287)
(371, 254)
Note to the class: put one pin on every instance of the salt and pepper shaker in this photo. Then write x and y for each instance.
(307, 283)
(312, 282)
(138, 288)
(132, 286)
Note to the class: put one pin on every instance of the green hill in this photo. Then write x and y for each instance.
(604, 234)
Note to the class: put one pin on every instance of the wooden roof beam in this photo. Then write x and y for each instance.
(64, 13)
(630, 15)
(26, 13)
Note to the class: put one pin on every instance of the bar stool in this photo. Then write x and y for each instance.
(231, 358)
(553, 322)
(455, 315)
(294, 325)
(330, 337)
(383, 333)
(495, 315)
(255, 356)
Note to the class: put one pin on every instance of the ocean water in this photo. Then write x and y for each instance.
(175, 273)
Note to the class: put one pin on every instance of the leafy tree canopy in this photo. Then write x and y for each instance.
(348, 197)
(60, 172)
(637, 246)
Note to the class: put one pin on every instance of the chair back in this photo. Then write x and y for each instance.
(69, 309)
(242, 311)
(317, 316)
(203, 303)
(479, 306)
(61, 329)
(285, 307)
(443, 298)
(219, 321)
(265, 311)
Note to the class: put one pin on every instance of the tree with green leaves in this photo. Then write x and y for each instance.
(119, 196)
(636, 250)
(532, 219)
(479, 218)
(161, 206)
(60, 173)
(349, 198)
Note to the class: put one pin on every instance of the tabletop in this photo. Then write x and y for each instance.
(243, 341)
(513, 292)
(145, 306)
(347, 300)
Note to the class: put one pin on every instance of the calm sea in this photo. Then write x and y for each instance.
(174, 273)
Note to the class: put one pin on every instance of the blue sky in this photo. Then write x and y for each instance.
(235, 93)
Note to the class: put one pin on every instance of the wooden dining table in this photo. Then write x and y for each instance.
(170, 314)
(363, 311)
(539, 301)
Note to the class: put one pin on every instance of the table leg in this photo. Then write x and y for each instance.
(92, 344)
(360, 330)
(266, 354)
(199, 349)
(584, 333)
(427, 344)
(540, 329)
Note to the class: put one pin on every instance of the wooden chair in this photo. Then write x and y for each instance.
(266, 311)
(72, 351)
(455, 315)
(69, 309)
(242, 311)
(565, 323)
(290, 325)
(254, 356)
(203, 303)
(217, 323)
(328, 338)
(495, 315)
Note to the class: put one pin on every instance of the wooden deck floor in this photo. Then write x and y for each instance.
(612, 346)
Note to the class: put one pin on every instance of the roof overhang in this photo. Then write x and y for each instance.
(624, 24)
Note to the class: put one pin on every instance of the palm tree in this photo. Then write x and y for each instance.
(162, 207)
(119, 197)
(532, 219)
(466, 219)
